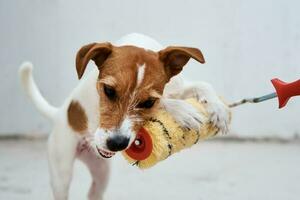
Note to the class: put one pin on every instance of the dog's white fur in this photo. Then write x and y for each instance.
(63, 142)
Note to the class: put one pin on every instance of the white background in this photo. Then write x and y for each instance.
(245, 43)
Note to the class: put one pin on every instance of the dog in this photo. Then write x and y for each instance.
(132, 77)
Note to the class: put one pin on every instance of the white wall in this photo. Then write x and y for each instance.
(246, 43)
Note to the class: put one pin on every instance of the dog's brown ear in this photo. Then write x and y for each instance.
(98, 52)
(175, 57)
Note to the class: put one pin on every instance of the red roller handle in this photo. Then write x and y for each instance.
(285, 90)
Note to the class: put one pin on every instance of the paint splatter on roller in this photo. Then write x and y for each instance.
(161, 136)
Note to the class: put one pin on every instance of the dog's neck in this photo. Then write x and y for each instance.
(87, 96)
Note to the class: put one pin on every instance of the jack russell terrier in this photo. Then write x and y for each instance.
(132, 77)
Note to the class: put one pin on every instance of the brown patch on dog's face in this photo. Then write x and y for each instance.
(134, 76)
(131, 79)
(77, 118)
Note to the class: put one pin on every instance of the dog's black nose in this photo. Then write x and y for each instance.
(117, 142)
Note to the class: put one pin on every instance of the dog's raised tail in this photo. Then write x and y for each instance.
(31, 89)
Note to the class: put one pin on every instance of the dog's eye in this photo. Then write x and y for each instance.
(110, 92)
(147, 104)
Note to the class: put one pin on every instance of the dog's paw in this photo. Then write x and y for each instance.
(218, 115)
(183, 113)
(218, 112)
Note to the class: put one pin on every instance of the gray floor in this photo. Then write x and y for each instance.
(212, 170)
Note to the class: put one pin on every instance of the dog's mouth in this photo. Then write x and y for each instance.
(105, 153)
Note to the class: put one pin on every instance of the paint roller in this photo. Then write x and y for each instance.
(161, 136)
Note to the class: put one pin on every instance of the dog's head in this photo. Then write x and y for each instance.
(130, 84)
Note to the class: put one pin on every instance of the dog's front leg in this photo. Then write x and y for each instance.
(99, 170)
(217, 110)
(183, 113)
(62, 145)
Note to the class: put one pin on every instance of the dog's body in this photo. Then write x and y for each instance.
(79, 116)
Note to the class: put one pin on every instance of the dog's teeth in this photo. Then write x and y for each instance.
(105, 154)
